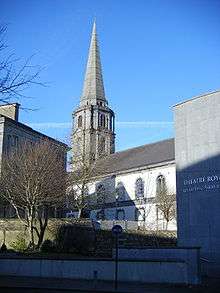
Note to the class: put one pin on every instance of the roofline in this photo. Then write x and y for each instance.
(141, 146)
(136, 169)
(35, 131)
(196, 97)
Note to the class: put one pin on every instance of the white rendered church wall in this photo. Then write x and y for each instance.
(147, 210)
(149, 177)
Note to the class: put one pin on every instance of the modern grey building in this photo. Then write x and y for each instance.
(197, 155)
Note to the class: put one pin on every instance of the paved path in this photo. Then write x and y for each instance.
(10, 284)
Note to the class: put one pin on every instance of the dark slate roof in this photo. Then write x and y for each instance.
(145, 155)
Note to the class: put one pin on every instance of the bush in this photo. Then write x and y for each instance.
(47, 246)
(19, 244)
(75, 238)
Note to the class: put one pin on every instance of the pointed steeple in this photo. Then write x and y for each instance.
(93, 88)
(93, 121)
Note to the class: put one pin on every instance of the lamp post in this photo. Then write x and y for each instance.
(116, 231)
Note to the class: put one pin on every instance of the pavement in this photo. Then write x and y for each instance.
(13, 284)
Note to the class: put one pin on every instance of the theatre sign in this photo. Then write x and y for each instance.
(208, 182)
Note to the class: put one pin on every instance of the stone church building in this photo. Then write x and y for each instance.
(14, 134)
(125, 183)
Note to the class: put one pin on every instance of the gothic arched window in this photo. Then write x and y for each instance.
(100, 193)
(102, 120)
(161, 183)
(80, 121)
(102, 146)
(120, 191)
(139, 188)
(9, 143)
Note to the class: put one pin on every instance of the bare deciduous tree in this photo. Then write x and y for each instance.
(14, 77)
(33, 180)
(166, 203)
(79, 179)
(84, 170)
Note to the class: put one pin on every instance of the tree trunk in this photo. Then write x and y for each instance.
(41, 237)
(167, 222)
(43, 222)
(79, 213)
(31, 236)
(30, 229)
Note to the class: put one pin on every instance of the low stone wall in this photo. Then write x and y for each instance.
(151, 271)
(189, 255)
(11, 228)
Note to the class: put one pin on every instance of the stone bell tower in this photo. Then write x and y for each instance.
(93, 121)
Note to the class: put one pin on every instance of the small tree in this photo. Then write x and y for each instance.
(166, 203)
(78, 190)
(84, 170)
(33, 181)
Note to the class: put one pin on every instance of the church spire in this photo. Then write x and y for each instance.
(93, 121)
(93, 88)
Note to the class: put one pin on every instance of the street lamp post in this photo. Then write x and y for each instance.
(116, 231)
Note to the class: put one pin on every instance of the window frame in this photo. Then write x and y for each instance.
(139, 188)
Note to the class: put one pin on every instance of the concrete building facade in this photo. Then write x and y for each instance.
(197, 148)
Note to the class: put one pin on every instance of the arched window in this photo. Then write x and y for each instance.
(102, 120)
(139, 188)
(80, 121)
(15, 140)
(100, 193)
(161, 184)
(120, 191)
(9, 143)
(102, 146)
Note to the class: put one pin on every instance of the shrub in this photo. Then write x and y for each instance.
(19, 244)
(47, 246)
(75, 238)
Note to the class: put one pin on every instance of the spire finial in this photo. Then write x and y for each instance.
(94, 27)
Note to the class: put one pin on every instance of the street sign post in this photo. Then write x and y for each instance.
(116, 231)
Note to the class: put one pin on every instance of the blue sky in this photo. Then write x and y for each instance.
(154, 54)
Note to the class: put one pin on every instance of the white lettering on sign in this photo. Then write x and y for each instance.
(202, 183)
